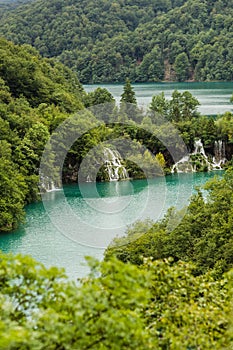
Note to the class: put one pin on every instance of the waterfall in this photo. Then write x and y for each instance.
(47, 184)
(113, 165)
(105, 164)
(195, 161)
(199, 148)
(183, 165)
(219, 154)
(88, 178)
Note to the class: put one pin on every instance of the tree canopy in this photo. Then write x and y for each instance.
(160, 305)
(143, 40)
(34, 94)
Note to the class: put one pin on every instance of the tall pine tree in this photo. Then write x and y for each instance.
(128, 95)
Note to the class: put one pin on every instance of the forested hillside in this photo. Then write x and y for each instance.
(106, 41)
(35, 95)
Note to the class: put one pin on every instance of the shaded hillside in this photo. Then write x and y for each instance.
(149, 40)
(35, 95)
(39, 80)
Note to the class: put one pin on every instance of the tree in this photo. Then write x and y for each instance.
(13, 190)
(182, 66)
(128, 95)
(159, 105)
(98, 96)
(183, 106)
(161, 305)
(151, 68)
(225, 127)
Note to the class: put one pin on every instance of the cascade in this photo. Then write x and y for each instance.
(113, 165)
(88, 178)
(199, 148)
(47, 185)
(195, 161)
(219, 154)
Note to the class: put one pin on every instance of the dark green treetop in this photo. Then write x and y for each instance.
(128, 95)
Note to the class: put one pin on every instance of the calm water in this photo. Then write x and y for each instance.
(82, 221)
(213, 97)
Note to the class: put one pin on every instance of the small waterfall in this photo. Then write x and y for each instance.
(199, 148)
(88, 178)
(47, 185)
(113, 165)
(219, 154)
(183, 165)
(195, 161)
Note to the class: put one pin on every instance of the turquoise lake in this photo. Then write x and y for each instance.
(214, 97)
(99, 212)
(69, 225)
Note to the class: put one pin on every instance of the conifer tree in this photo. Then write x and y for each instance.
(128, 95)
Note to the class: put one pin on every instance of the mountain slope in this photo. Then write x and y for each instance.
(35, 95)
(107, 41)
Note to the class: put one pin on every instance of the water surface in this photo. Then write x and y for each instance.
(103, 209)
(214, 97)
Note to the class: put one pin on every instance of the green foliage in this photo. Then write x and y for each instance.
(39, 81)
(160, 305)
(145, 41)
(35, 95)
(159, 105)
(184, 309)
(204, 236)
(98, 96)
(13, 189)
(225, 127)
(181, 67)
(181, 107)
(128, 95)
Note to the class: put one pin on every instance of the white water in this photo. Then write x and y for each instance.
(47, 185)
(113, 165)
(189, 162)
(219, 154)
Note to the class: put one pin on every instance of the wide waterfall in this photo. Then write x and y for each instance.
(108, 166)
(113, 165)
(199, 161)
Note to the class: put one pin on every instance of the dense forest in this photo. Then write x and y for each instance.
(107, 41)
(35, 95)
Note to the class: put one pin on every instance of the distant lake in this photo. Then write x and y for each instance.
(214, 97)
